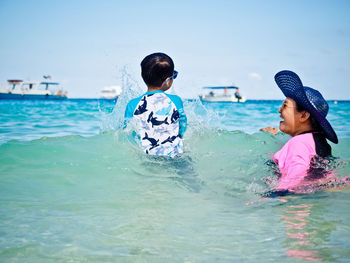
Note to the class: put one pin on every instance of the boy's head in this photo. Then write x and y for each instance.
(156, 68)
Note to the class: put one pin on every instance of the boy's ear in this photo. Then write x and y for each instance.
(305, 115)
(164, 82)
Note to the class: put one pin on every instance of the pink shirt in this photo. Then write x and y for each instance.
(294, 161)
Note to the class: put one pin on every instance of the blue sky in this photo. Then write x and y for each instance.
(85, 45)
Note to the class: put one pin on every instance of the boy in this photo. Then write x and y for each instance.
(160, 119)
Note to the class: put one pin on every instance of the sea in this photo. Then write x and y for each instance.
(75, 187)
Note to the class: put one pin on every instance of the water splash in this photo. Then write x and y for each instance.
(113, 117)
(199, 117)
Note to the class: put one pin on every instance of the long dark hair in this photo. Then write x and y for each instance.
(323, 149)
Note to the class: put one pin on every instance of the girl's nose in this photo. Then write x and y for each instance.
(280, 109)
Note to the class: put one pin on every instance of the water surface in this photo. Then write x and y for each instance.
(75, 188)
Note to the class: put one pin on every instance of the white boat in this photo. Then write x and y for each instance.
(223, 96)
(110, 92)
(32, 90)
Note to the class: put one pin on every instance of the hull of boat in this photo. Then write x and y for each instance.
(109, 98)
(17, 96)
(209, 98)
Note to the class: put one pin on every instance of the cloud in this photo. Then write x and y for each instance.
(255, 75)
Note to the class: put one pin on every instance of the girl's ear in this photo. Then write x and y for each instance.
(305, 115)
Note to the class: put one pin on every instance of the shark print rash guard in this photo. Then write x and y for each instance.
(161, 122)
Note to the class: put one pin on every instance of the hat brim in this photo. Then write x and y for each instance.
(292, 87)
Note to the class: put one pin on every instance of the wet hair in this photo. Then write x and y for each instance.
(323, 149)
(314, 123)
(156, 68)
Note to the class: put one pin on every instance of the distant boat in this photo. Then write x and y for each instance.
(32, 90)
(223, 96)
(110, 92)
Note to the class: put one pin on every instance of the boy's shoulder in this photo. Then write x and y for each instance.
(173, 96)
(135, 100)
(175, 99)
(131, 106)
(149, 98)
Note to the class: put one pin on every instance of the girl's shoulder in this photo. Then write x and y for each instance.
(305, 138)
(299, 143)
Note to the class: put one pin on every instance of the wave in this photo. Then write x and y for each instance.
(227, 162)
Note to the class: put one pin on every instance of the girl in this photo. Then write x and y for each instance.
(303, 115)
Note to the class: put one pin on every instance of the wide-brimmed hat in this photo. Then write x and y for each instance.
(309, 98)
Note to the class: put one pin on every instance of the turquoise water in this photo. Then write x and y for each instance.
(74, 188)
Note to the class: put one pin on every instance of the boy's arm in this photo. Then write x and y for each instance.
(182, 121)
(129, 112)
(180, 108)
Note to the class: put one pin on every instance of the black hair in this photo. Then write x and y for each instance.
(314, 123)
(156, 68)
(323, 149)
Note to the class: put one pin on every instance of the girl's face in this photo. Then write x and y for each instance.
(291, 123)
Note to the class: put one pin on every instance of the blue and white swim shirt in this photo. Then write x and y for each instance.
(161, 122)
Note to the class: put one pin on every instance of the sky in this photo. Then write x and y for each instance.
(87, 45)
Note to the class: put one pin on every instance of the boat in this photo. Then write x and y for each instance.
(32, 90)
(110, 92)
(213, 96)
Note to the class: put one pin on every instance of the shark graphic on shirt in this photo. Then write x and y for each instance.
(141, 108)
(158, 127)
(155, 121)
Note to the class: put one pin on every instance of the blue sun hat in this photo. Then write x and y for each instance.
(311, 99)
